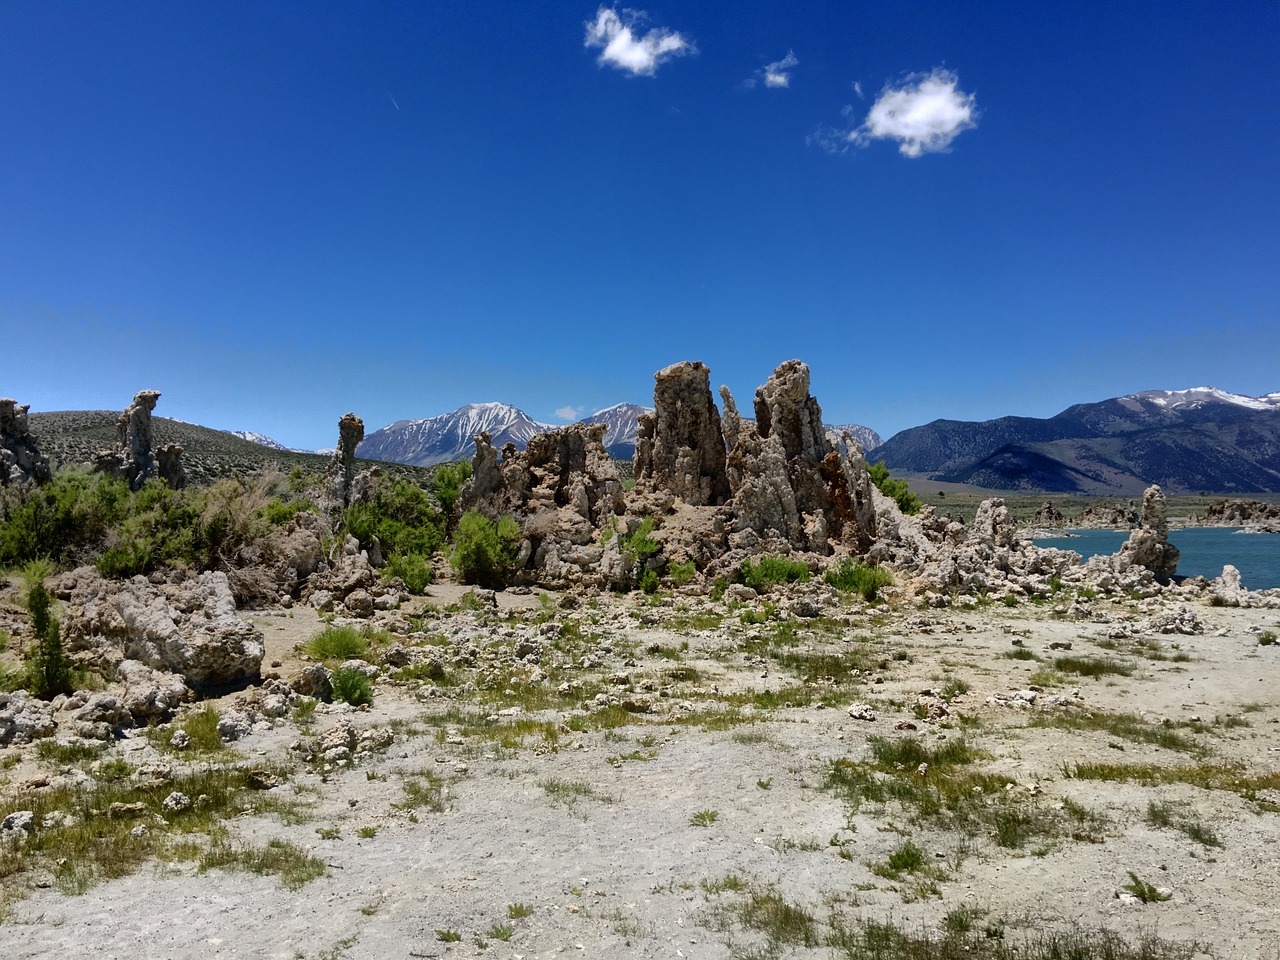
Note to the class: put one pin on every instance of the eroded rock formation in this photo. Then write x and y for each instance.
(340, 476)
(1149, 545)
(680, 446)
(189, 628)
(132, 459)
(1048, 517)
(788, 479)
(562, 489)
(20, 460)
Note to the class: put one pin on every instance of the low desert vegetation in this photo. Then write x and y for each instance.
(773, 570)
(853, 576)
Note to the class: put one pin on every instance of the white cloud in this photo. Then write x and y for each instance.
(622, 46)
(778, 73)
(924, 114)
(569, 413)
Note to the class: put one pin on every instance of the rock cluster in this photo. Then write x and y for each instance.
(712, 490)
(133, 459)
(940, 558)
(788, 479)
(1108, 516)
(1252, 515)
(562, 489)
(189, 628)
(1149, 545)
(20, 460)
(1048, 517)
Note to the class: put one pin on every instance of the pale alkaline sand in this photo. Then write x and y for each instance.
(595, 836)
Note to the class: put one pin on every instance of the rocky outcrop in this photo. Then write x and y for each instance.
(941, 558)
(189, 628)
(340, 476)
(788, 478)
(20, 460)
(1107, 516)
(680, 446)
(23, 718)
(1251, 515)
(132, 459)
(1149, 545)
(561, 489)
(1048, 517)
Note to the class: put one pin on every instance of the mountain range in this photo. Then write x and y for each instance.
(1202, 439)
(449, 436)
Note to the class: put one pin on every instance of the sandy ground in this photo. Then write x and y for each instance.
(594, 834)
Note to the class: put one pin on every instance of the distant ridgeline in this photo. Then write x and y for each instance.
(1187, 441)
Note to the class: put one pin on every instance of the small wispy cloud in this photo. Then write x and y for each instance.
(924, 114)
(570, 413)
(617, 35)
(776, 74)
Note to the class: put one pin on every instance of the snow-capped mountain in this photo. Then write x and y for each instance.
(1185, 440)
(866, 437)
(263, 441)
(1199, 396)
(620, 419)
(450, 436)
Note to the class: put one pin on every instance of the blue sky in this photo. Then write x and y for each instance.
(276, 213)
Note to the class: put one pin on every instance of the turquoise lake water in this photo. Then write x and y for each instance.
(1204, 551)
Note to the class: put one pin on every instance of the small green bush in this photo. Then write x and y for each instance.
(413, 569)
(852, 576)
(773, 570)
(351, 686)
(639, 543)
(447, 482)
(894, 487)
(484, 550)
(401, 517)
(649, 581)
(681, 573)
(48, 670)
(278, 512)
(338, 643)
(1266, 638)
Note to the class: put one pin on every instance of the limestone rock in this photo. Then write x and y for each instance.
(151, 693)
(20, 460)
(23, 718)
(561, 490)
(680, 446)
(132, 459)
(789, 480)
(341, 472)
(1149, 545)
(188, 628)
(1048, 517)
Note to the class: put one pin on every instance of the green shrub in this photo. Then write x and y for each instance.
(413, 569)
(1266, 638)
(853, 576)
(48, 670)
(649, 581)
(447, 481)
(338, 643)
(279, 512)
(351, 686)
(401, 517)
(681, 573)
(639, 543)
(773, 570)
(484, 550)
(893, 487)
